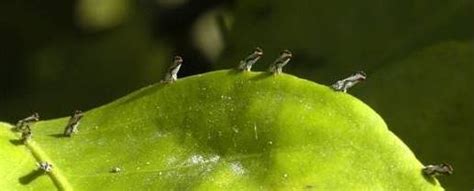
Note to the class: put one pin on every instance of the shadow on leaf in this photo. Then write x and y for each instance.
(16, 142)
(428, 178)
(34, 174)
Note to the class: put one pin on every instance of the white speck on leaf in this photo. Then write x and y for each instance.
(197, 159)
(116, 170)
(235, 130)
(200, 159)
(214, 158)
(255, 131)
(237, 168)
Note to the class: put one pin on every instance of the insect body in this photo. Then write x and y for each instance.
(438, 170)
(346, 83)
(73, 123)
(280, 62)
(172, 74)
(26, 134)
(45, 166)
(27, 122)
(246, 64)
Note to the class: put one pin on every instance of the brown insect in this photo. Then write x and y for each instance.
(26, 134)
(346, 83)
(247, 63)
(72, 125)
(438, 170)
(45, 166)
(172, 74)
(280, 62)
(27, 122)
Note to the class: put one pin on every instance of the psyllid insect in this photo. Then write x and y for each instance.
(45, 166)
(72, 125)
(280, 62)
(438, 170)
(172, 73)
(246, 64)
(346, 83)
(27, 122)
(26, 134)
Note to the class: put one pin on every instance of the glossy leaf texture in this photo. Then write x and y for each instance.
(221, 130)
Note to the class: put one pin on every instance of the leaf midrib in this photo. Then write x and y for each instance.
(56, 175)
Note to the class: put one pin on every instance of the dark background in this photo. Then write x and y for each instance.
(58, 56)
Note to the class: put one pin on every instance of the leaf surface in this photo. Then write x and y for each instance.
(223, 130)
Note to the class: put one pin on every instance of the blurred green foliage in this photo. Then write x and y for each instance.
(425, 100)
(60, 66)
(330, 39)
(100, 15)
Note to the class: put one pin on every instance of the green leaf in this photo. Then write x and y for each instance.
(17, 165)
(222, 131)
